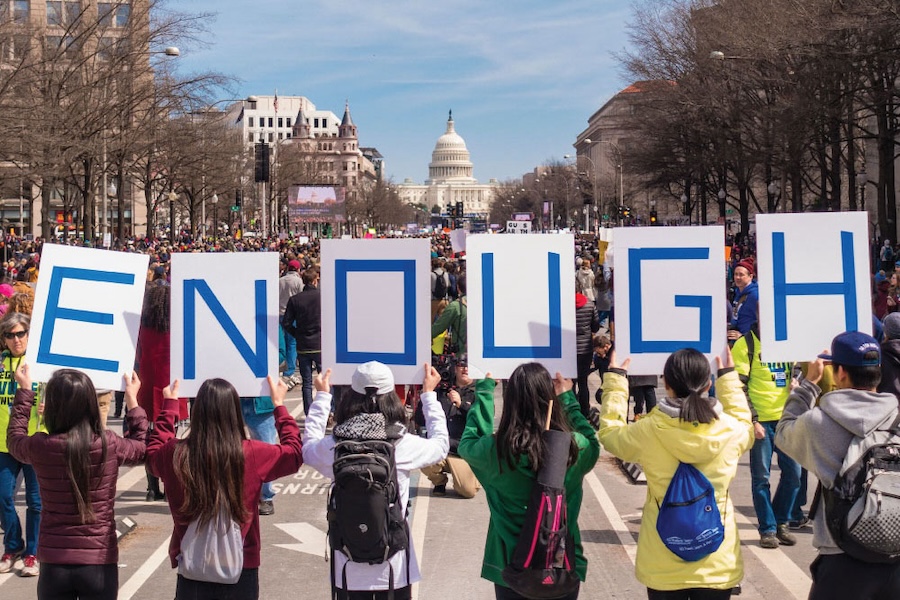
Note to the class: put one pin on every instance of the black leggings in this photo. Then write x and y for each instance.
(689, 594)
(87, 582)
(399, 594)
(246, 588)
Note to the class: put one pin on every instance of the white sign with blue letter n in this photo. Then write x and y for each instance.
(521, 303)
(813, 272)
(376, 306)
(669, 293)
(225, 320)
(87, 313)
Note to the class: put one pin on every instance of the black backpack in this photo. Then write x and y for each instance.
(365, 518)
(862, 508)
(440, 286)
(543, 561)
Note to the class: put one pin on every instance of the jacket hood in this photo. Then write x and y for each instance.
(692, 442)
(857, 411)
(751, 287)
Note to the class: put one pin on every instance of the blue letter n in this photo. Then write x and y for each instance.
(255, 360)
(783, 289)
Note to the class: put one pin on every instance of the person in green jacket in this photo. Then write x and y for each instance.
(454, 318)
(687, 426)
(506, 462)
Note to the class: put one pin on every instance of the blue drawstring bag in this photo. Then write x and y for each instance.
(689, 522)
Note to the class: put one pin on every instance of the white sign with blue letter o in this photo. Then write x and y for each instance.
(87, 313)
(521, 303)
(376, 306)
(813, 274)
(669, 293)
(225, 320)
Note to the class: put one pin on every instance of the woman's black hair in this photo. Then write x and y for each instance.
(687, 374)
(526, 397)
(157, 306)
(353, 403)
(70, 408)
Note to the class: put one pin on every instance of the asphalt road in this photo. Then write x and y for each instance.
(448, 533)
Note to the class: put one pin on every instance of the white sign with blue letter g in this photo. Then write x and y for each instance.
(669, 292)
(225, 320)
(813, 281)
(87, 313)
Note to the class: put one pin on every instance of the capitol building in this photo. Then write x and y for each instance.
(450, 179)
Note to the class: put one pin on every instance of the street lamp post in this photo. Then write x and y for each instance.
(862, 179)
(215, 220)
(172, 198)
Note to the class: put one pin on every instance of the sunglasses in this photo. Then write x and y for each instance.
(9, 335)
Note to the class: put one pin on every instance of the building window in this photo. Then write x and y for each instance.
(324, 123)
(280, 122)
(288, 121)
(288, 135)
(250, 137)
(316, 123)
(271, 137)
(262, 136)
(54, 13)
(106, 11)
(15, 10)
(270, 122)
(280, 136)
(123, 14)
(249, 121)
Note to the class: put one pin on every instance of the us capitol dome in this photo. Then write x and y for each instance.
(450, 179)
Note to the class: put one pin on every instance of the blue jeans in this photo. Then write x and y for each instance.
(772, 511)
(290, 353)
(262, 428)
(306, 366)
(9, 519)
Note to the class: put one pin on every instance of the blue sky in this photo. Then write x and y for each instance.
(521, 77)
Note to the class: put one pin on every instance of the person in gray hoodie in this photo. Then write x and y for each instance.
(818, 435)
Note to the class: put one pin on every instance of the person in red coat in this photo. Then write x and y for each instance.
(153, 352)
(217, 468)
(77, 464)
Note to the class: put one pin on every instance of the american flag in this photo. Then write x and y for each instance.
(275, 102)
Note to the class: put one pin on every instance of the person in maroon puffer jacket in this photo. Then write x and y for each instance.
(77, 464)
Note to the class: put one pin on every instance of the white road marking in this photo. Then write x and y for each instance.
(612, 515)
(145, 571)
(417, 530)
(785, 570)
(311, 539)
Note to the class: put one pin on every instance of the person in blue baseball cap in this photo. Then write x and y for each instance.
(817, 430)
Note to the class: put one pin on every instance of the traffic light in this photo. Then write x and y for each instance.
(238, 198)
(653, 220)
(459, 209)
(261, 173)
(626, 212)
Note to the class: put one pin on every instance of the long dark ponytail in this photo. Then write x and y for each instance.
(687, 374)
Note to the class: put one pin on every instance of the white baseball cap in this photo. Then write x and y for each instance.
(372, 374)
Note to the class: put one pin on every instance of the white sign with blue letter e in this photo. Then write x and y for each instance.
(87, 313)
(813, 272)
(669, 293)
(225, 320)
(521, 303)
(376, 306)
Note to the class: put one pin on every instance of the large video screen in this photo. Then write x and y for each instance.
(312, 203)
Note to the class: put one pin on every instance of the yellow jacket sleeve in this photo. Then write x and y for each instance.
(616, 436)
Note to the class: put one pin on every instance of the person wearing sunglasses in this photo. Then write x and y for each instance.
(16, 550)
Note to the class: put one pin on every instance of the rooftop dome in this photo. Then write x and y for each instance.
(450, 158)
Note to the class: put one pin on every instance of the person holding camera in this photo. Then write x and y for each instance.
(455, 393)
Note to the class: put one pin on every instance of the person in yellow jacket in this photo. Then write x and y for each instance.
(686, 426)
(16, 548)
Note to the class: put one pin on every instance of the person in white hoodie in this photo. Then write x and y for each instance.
(818, 435)
(371, 396)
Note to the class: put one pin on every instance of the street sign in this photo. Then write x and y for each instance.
(522, 216)
(235, 208)
(518, 227)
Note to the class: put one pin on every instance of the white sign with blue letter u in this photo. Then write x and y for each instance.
(225, 320)
(521, 303)
(376, 306)
(813, 272)
(669, 293)
(87, 313)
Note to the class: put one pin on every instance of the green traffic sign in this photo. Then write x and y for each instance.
(235, 208)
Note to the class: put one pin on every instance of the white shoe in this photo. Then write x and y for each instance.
(29, 566)
(8, 560)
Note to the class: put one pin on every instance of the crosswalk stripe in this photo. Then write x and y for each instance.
(145, 571)
(612, 515)
(792, 577)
